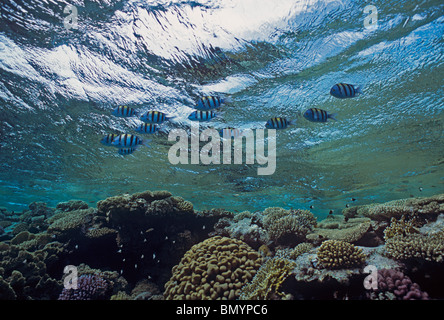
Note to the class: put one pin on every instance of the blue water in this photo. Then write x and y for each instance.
(60, 80)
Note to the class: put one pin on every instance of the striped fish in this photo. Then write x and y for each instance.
(209, 103)
(230, 133)
(278, 123)
(344, 90)
(202, 115)
(154, 117)
(108, 139)
(318, 115)
(147, 128)
(127, 141)
(124, 111)
(126, 151)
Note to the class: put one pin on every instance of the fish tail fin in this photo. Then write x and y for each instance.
(169, 118)
(146, 142)
(227, 100)
(333, 116)
(358, 89)
(291, 122)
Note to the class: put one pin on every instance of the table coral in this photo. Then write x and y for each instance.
(335, 227)
(428, 208)
(216, 268)
(335, 254)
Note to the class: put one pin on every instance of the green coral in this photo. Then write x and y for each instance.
(335, 254)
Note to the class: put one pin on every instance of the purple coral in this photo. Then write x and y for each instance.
(89, 287)
(401, 285)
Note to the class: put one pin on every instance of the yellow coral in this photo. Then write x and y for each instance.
(399, 227)
(336, 254)
(268, 279)
(288, 224)
(427, 247)
(216, 268)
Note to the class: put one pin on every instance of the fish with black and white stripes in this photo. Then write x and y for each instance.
(126, 151)
(200, 115)
(155, 117)
(147, 128)
(278, 123)
(344, 90)
(108, 139)
(127, 141)
(210, 103)
(318, 115)
(124, 112)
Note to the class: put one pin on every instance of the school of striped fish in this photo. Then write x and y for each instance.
(205, 111)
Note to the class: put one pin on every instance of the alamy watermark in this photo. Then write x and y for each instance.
(70, 21)
(70, 280)
(211, 153)
(371, 20)
(371, 281)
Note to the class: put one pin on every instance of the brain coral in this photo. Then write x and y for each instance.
(216, 268)
(336, 254)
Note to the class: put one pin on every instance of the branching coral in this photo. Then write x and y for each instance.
(399, 227)
(265, 284)
(214, 269)
(335, 254)
(426, 247)
(89, 287)
(288, 226)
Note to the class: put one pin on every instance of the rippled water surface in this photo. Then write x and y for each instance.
(61, 78)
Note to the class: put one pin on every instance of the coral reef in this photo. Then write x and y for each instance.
(216, 268)
(424, 208)
(335, 227)
(336, 254)
(288, 226)
(154, 245)
(89, 287)
(24, 274)
(418, 246)
(395, 285)
(399, 228)
(265, 284)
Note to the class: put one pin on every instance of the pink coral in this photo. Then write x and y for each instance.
(401, 285)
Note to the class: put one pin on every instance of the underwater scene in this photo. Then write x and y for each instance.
(221, 150)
